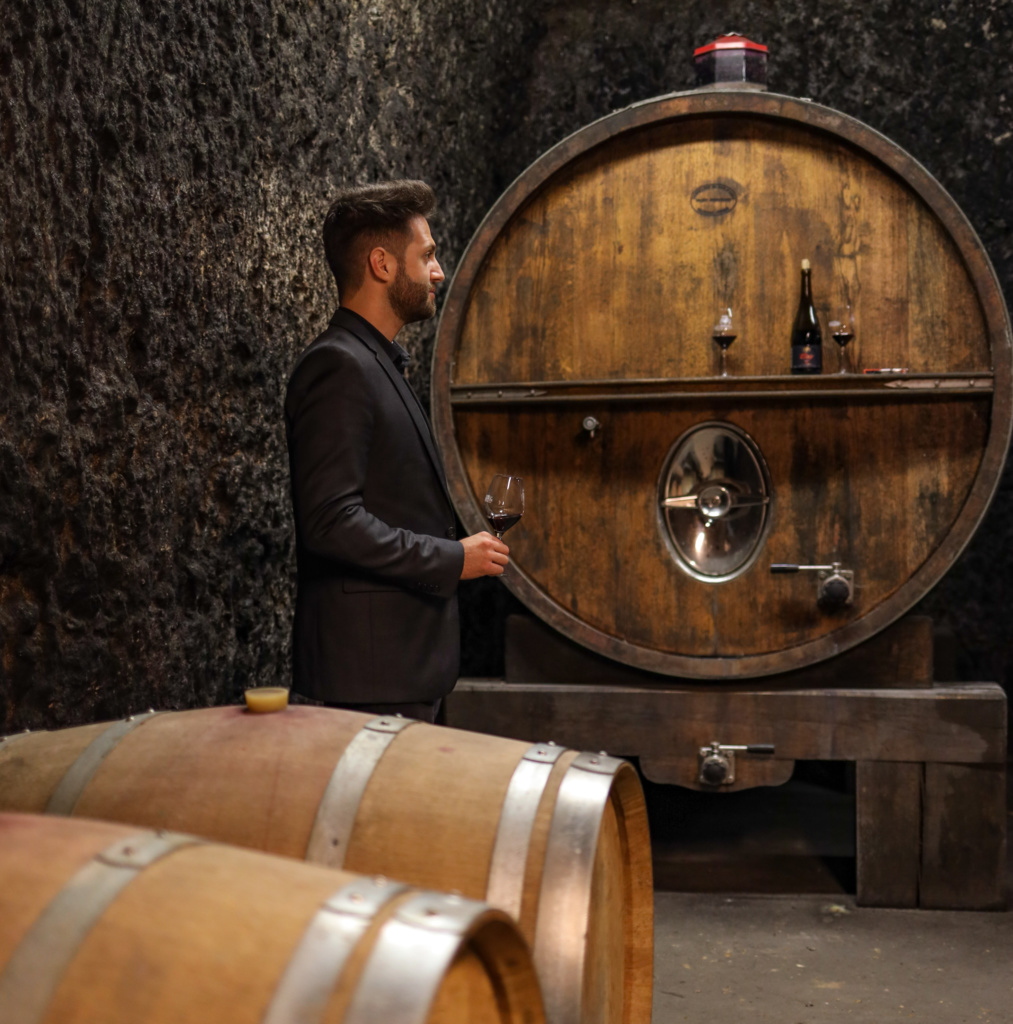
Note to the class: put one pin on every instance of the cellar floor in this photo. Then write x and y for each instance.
(756, 920)
(820, 959)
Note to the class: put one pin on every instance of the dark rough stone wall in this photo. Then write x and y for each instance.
(164, 169)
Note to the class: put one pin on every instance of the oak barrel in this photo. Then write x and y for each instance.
(575, 349)
(557, 839)
(110, 923)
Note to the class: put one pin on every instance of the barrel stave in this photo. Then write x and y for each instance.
(252, 778)
(33, 765)
(430, 811)
(243, 916)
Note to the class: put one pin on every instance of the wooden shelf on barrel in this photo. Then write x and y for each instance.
(890, 386)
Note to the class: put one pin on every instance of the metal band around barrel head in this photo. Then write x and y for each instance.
(565, 895)
(80, 773)
(332, 828)
(410, 959)
(517, 820)
(36, 968)
(318, 960)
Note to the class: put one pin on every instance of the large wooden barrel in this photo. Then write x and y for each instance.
(557, 839)
(109, 923)
(588, 296)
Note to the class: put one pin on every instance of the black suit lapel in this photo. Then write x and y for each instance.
(411, 403)
(418, 416)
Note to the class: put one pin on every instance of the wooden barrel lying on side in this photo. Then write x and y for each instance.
(110, 923)
(557, 839)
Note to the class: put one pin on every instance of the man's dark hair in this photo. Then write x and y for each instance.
(365, 216)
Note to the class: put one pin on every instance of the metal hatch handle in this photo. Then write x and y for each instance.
(715, 500)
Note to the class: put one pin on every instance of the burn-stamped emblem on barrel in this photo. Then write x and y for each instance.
(714, 199)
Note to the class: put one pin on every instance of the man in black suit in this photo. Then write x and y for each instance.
(376, 621)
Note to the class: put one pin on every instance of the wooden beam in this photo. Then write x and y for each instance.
(888, 826)
(963, 837)
(954, 723)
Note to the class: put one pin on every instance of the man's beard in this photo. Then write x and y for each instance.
(409, 299)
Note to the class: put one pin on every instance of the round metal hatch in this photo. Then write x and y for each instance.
(714, 501)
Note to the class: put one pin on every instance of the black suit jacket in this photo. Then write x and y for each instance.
(376, 616)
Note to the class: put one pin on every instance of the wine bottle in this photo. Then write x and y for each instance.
(806, 339)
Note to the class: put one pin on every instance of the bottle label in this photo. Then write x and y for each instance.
(806, 357)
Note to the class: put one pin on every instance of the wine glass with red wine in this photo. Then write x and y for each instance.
(842, 330)
(723, 334)
(504, 502)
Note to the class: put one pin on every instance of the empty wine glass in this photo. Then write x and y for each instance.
(842, 330)
(504, 502)
(723, 334)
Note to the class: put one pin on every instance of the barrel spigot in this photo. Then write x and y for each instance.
(835, 586)
(717, 762)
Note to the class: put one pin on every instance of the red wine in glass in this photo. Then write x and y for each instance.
(504, 502)
(842, 330)
(723, 334)
(501, 522)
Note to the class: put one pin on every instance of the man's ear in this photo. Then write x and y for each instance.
(382, 264)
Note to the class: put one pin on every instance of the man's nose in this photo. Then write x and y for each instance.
(436, 274)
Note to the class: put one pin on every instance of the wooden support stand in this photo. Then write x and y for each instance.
(930, 758)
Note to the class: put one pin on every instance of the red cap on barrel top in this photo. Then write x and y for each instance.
(733, 41)
(731, 61)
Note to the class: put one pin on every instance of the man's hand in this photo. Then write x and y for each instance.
(484, 555)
